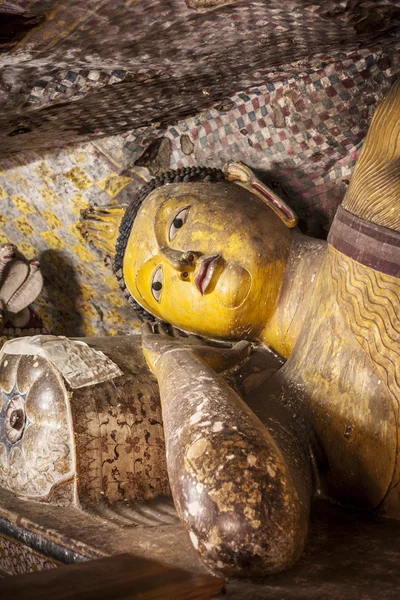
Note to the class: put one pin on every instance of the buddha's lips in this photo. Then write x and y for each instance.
(206, 271)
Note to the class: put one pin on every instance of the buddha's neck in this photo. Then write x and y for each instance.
(295, 296)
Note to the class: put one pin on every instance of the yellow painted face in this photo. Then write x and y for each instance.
(208, 258)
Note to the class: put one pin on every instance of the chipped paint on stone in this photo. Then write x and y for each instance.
(194, 508)
(194, 539)
(196, 418)
(251, 459)
(197, 449)
(217, 427)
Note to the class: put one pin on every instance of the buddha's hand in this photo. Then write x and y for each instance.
(160, 339)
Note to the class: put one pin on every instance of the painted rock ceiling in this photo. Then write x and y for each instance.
(97, 97)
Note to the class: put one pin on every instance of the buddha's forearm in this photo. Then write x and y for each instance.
(231, 482)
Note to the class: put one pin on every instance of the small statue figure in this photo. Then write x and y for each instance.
(21, 282)
(217, 254)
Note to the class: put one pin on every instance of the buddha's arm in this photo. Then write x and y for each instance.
(374, 191)
(231, 483)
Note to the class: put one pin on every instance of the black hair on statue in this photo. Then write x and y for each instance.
(185, 175)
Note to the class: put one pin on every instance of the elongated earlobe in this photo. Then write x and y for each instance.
(241, 174)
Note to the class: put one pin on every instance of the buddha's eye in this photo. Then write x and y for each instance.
(178, 221)
(157, 284)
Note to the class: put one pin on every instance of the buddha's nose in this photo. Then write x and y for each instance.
(181, 261)
(188, 260)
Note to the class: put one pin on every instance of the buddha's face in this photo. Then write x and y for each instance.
(208, 258)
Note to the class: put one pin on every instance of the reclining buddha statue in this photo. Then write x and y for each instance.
(217, 254)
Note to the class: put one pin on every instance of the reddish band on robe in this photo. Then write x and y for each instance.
(367, 243)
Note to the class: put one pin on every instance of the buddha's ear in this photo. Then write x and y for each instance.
(241, 174)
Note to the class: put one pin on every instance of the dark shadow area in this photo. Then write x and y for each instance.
(15, 23)
(61, 294)
(349, 555)
(316, 224)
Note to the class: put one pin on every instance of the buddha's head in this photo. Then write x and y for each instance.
(203, 253)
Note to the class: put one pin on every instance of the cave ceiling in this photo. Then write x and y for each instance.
(73, 70)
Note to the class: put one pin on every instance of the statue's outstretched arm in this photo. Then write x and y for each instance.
(231, 482)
